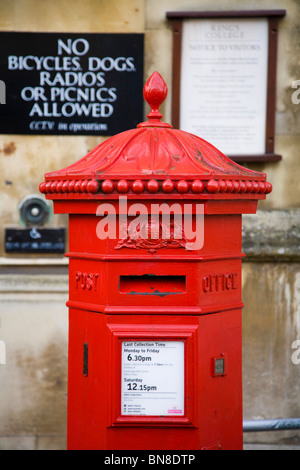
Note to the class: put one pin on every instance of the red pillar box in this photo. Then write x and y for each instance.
(155, 348)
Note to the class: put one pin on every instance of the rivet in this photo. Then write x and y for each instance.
(59, 186)
(138, 186)
(168, 186)
(197, 186)
(107, 186)
(243, 187)
(153, 186)
(229, 186)
(77, 186)
(236, 186)
(123, 186)
(42, 187)
(53, 186)
(249, 186)
(212, 186)
(83, 186)
(268, 187)
(182, 186)
(65, 186)
(92, 186)
(48, 187)
(71, 186)
(223, 186)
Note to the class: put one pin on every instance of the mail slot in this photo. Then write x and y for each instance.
(155, 297)
(153, 285)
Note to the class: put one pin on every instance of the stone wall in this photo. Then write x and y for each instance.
(34, 327)
(271, 320)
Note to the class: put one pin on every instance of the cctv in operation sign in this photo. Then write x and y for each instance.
(71, 84)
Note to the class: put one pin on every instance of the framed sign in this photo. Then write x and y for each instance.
(153, 374)
(70, 84)
(224, 80)
(152, 378)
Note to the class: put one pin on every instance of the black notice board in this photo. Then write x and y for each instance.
(35, 240)
(71, 84)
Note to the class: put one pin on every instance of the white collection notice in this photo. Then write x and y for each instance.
(152, 378)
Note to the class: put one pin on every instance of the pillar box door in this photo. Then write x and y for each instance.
(155, 345)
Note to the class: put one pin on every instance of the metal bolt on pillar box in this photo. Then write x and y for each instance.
(155, 231)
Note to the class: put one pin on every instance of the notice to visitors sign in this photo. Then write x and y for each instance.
(224, 82)
(71, 84)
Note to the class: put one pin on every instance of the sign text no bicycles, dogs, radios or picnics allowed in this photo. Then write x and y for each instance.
(70, 84)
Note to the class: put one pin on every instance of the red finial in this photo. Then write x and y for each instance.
(155, 93)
